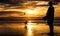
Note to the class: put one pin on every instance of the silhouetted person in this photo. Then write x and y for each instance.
(25, 24)
(50, 17)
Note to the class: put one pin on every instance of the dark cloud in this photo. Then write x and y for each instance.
(38, 0)
(10, 12)
(57, 0)
(10, 3)
(15, 2)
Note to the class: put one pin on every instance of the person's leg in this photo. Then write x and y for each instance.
(51, 28)
(25, 25)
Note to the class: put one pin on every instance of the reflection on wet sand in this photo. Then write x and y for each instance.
(29, 32)
(29, 29)
(33, 29)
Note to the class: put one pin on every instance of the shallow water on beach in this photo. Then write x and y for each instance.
(33, 29)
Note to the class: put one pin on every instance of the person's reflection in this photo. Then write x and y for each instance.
(50, 17)
(26, 24)
(29, 31)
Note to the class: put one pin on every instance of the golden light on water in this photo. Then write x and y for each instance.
(29, 26)
(29, 29)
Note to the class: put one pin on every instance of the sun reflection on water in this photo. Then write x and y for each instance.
(29, 27)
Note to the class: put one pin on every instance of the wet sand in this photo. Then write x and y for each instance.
(33, 29)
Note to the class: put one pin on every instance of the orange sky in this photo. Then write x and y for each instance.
(34, 11)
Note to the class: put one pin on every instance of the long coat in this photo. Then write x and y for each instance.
(50, 15)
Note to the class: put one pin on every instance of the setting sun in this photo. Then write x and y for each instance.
(31, 12)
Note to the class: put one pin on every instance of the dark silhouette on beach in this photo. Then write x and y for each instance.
(25, 24)
(50, 18)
